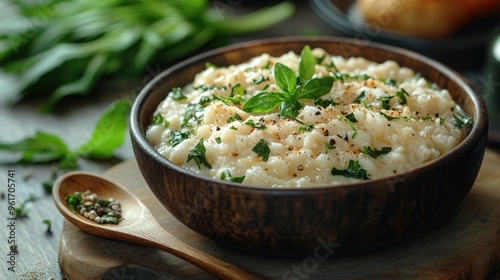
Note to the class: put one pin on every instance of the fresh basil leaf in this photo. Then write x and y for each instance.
(374, 153)
(315, 88)
(262, 150)
(198, 154)
(263, 102)
(290, 108)
(306, 64)
(109, 132)
(285, 77)
(226, 175)
(354, 170)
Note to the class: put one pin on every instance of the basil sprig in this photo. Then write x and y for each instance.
(293, 88)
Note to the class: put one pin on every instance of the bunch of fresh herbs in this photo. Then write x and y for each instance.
(57, 48)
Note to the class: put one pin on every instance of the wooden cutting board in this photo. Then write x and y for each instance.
(465, 246)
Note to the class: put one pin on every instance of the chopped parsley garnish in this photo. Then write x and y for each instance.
(390, 82)
(259, 80)
(374, 153)
(226, 175)
(177, 94)
(237, 90)
(262, 150)
(157, 119)
(233, 128)
(330, 145)
(218, 140)
(304, 127)
(210, 65)
(389, 118)
(460, 121)
(359, 98)
(350, 119)
(253, 124)
(387, 99)
(198, 154)
(234, 117)
(293, 88)
(204, 100)
(354, 170)
(324, 102)
(176, 137)
(191, 113)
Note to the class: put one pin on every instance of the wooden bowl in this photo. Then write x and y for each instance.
(327, 220)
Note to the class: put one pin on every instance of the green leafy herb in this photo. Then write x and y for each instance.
(108, 133)
(354, 170)
(387, 99)
(237, 90)
(176, 137)
(374, 153)
(78, 43)
(192, 113)
(218, 140)
(233, 127)
(49, 225)
(253, 124)
(73, 201)
(389, 118)
(306, 127)
(359, 98)
(350, 117)
(226, 175)
(177, 94)
(24, 207)
(210, 65)
(330, 145)
(442, 120)
(42, 148)
(293, 88)
(259, 80)
(390, 82)
(234, 117)
(324, 102)
(198, 154)
(157, 119)
(460, 120)
(262, 150)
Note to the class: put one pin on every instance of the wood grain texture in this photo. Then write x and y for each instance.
(464, 246)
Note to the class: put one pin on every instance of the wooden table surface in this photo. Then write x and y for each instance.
(37, 251)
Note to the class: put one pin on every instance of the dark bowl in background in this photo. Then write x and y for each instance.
(296, 222)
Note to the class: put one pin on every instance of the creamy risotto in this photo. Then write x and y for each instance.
(306, 119)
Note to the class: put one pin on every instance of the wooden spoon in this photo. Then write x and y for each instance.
(139, 226)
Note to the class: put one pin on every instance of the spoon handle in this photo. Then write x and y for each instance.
(157, 237)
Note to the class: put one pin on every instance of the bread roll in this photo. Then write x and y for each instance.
(425, 18)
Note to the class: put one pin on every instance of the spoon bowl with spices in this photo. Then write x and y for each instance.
(137, 224)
